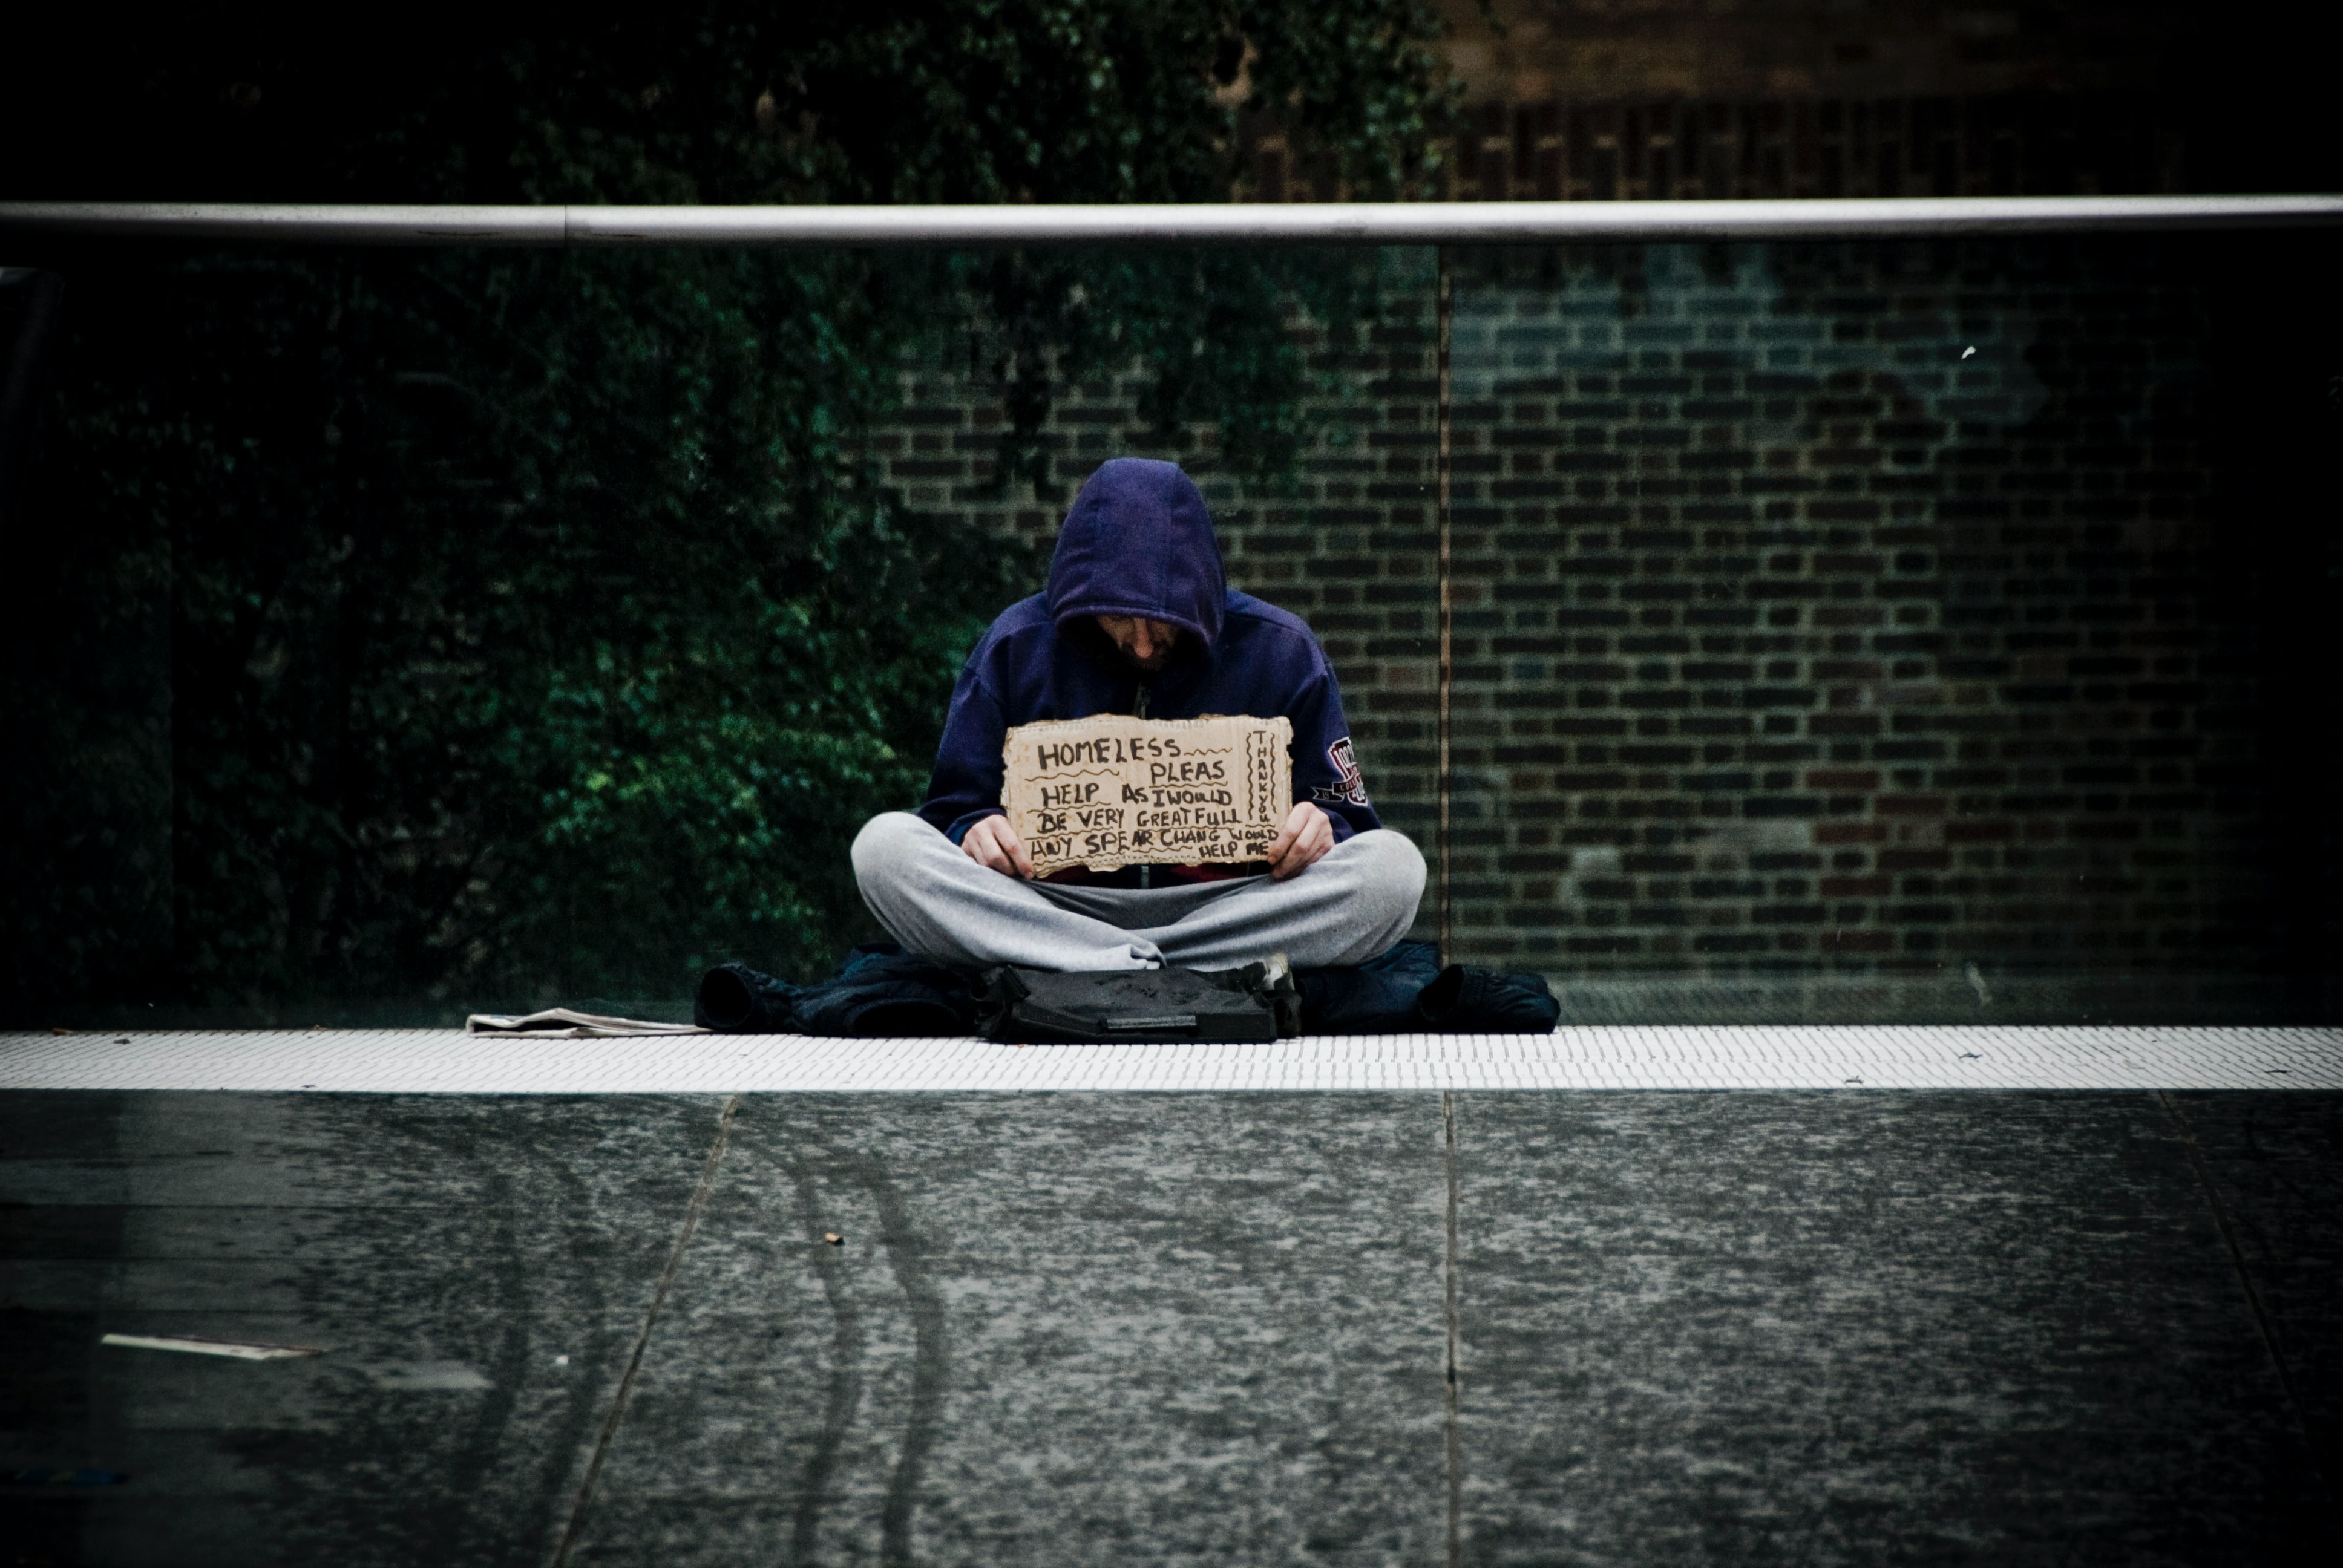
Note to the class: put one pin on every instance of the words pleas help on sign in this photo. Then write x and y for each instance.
(1107, 792)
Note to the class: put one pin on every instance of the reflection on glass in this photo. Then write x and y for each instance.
(1856, 630)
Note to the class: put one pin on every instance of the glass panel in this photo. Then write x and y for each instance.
(1900, 631)
(1858, 631)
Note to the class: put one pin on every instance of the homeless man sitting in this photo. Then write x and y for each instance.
(1138, 619)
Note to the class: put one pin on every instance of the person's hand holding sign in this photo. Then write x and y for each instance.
(1306, 836)
(993, 844)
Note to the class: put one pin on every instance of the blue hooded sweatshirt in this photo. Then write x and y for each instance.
(1139, 542)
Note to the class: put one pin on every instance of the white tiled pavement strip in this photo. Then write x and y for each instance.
(1848, 1057)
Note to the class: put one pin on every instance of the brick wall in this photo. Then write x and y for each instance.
(1819, 608)
(1576, 100)
(1688, 149)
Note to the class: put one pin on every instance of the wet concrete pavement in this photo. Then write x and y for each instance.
(1688, 1328)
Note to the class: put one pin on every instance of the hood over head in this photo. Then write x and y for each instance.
(1138, 541)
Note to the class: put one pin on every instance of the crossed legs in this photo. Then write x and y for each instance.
(1351, 905)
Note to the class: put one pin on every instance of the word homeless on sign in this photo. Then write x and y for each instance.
(1108, 792)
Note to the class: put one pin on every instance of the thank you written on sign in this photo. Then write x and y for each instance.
(1108, 792)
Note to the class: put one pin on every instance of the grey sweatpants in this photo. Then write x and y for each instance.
(1351, 905)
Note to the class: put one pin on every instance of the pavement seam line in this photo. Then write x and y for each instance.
(691, 1213)
(1453, 1399)
(2253, 1293)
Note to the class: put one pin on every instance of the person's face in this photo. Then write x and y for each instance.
(1146, 643)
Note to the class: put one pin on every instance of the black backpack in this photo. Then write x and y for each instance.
(881, 990)
(1253, 1003)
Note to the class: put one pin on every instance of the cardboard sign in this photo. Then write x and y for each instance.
(1108, 792)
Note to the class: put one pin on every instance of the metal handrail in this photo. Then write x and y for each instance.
(1337, 223)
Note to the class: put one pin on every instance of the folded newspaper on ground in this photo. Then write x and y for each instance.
(1108, 792)
(562, 1023)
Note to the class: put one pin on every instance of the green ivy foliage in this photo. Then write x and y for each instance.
(536, 624)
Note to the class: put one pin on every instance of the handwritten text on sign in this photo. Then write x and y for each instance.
(1108, 792)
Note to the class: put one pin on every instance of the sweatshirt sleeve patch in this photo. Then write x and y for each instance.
(1349, 784)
